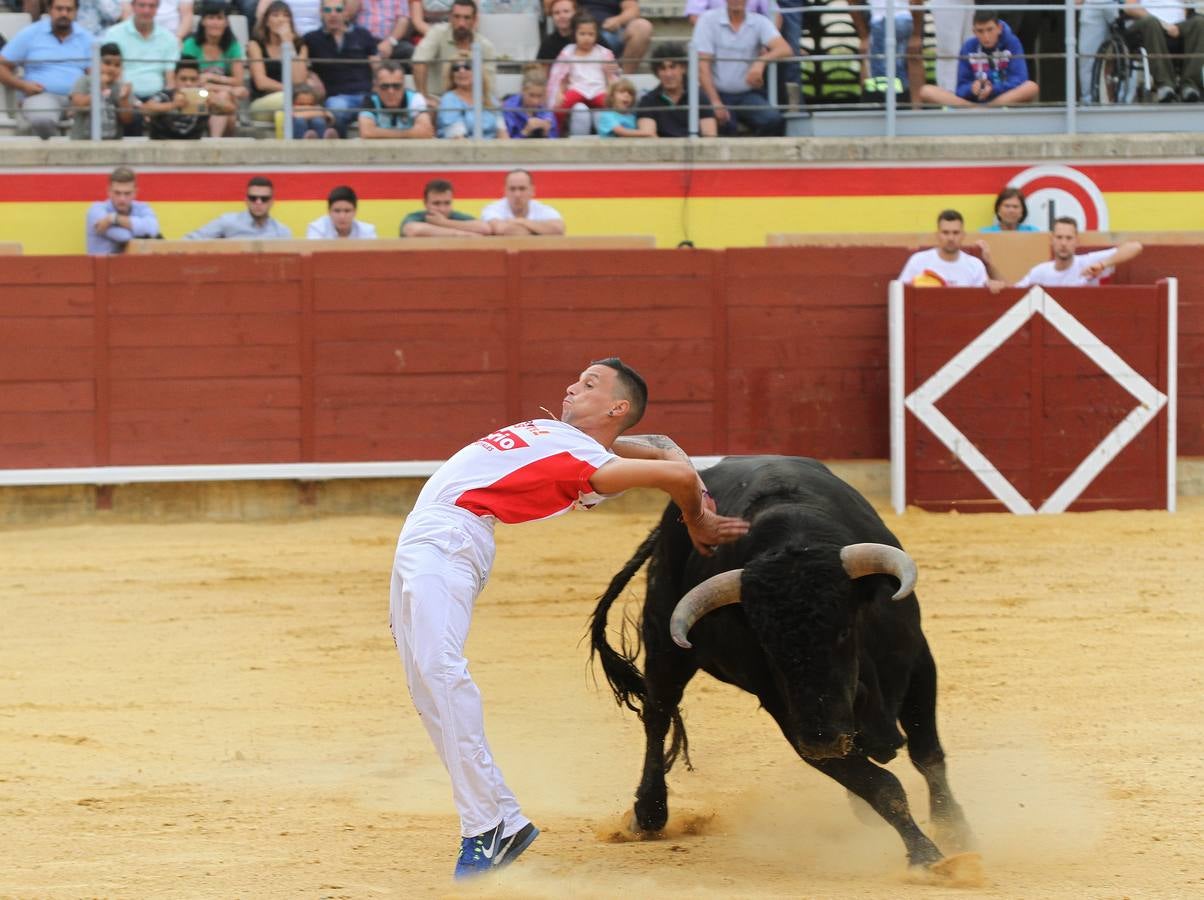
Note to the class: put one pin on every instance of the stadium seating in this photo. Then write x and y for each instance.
(10, 24)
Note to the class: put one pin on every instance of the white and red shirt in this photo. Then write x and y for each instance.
(522, 473)
(932, 269)
(1047, 274)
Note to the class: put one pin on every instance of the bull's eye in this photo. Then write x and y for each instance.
(845, 634)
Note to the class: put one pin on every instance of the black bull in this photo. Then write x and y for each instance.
(837, 662)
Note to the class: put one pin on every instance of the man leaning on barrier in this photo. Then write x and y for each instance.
(734, 49)
(254, 222)
(53, 53)
(1070, 269)
(438, 219)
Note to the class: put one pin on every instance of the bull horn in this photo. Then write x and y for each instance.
(880, 559)
(718, 590)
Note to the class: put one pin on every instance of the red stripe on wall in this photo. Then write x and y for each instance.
(812, 181)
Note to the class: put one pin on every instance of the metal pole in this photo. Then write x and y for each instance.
(1072, 57)
(891, 64)
(692, 71)
(95, 113)
(286, 79)
(478, 90)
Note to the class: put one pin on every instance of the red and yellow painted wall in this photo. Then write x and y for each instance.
(733, 206)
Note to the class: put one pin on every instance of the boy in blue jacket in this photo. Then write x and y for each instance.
(991, 70)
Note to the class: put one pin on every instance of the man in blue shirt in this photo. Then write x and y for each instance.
(253, 222)
(113, 223)
(333, 51)
(991, 70)
(53, 53)
(734, 48)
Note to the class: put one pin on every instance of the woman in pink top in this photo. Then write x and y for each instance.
(582, 72)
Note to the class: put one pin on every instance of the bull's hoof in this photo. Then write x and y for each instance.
(963, 870)
(649, 818)
(641, 833)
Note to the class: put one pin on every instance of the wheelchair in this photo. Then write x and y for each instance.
(1121, 72)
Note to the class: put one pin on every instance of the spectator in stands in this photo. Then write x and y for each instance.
(1165, 28)
(306, 13)
(53, 53)
(311, 120)
(181, 113)
(788, 73)
(1067, 269)
(393, 111)
(768, 8)
(340, 220)
(519, 213)
(734, 48)
(96, 16)
(150, 52)
(264, 52)
(946, 264)
(449, 41)
(992, 70)
(426, 14)
(116, 96)
(561, 13)
(389, 22)
(618, 119)
(173, 15)
(581, 74)
(952, 26)
(438, 219)
(664, 107)
(113, 223)
(871, 29)
(624, 30)
(253, 222)
(526, 113)
(457, 117)
(220, 56)
(1010, 212)
(334, 52)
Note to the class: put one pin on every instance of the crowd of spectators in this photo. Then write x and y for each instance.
(347, 56)
(112, 223)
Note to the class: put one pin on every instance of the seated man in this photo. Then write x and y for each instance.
(946, 264)
(1165, 29)
(1070, 269)
(341, 57)
(53, 53)
(664, 107)
(991, 71)
(182, 113)
(734, 48)
(391, 111)
(438, 219)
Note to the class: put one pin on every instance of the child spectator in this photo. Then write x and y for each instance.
(582, 72)
(310, 118)
(182, 113)
(991, 70)
(456, 117)
(221, 66)
(116, 99)
(526, 113)
(618, 120)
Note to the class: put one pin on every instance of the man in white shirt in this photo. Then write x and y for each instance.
(340, 221)
(1165, 28)
(1067, 269)
(519, 212)
(946, 264)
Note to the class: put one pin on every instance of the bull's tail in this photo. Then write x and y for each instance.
(625, 680)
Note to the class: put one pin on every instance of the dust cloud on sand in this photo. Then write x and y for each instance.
(217, 710)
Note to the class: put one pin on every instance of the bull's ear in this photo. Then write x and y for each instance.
(874, 588)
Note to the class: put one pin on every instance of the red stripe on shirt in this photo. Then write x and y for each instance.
(535, 491)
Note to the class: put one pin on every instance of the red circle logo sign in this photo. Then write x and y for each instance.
(1055, 191)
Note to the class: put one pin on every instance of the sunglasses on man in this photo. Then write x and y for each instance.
(259, 198)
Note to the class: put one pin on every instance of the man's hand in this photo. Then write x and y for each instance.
(755, 76)
(437, 218)
(104, 223)
(709, 530)
(985, 250)
(30, 88)
(1093, 270)
(995, 286)
(722, 114)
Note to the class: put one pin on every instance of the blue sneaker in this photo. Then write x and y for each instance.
(516, 844)
(479, 854)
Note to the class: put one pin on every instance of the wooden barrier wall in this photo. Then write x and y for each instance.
(375, 356)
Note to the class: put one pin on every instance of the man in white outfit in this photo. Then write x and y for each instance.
(519, 213)
(1068, 269)
(526, 472)
(946, 264)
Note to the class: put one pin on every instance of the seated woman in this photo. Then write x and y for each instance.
(456, 118)
(221, 61)
(1010, 212)
(264, 51)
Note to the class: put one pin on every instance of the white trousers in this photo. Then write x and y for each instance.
(442, 563)
(952, 25)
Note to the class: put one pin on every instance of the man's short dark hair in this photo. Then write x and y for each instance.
(982, 16)
(389, 65)
(631, 385)
(110, 49)
(188, 63)
(667, 53)
(437, 186)
(472, 3)
(949, 215)
(1067, 220)
(261, 181)
(342, 193)
(122, 175)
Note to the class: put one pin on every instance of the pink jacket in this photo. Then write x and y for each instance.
(589, 75)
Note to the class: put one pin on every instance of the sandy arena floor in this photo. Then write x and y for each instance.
(216, 710)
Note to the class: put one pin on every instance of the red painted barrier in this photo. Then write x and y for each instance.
(380, 356)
